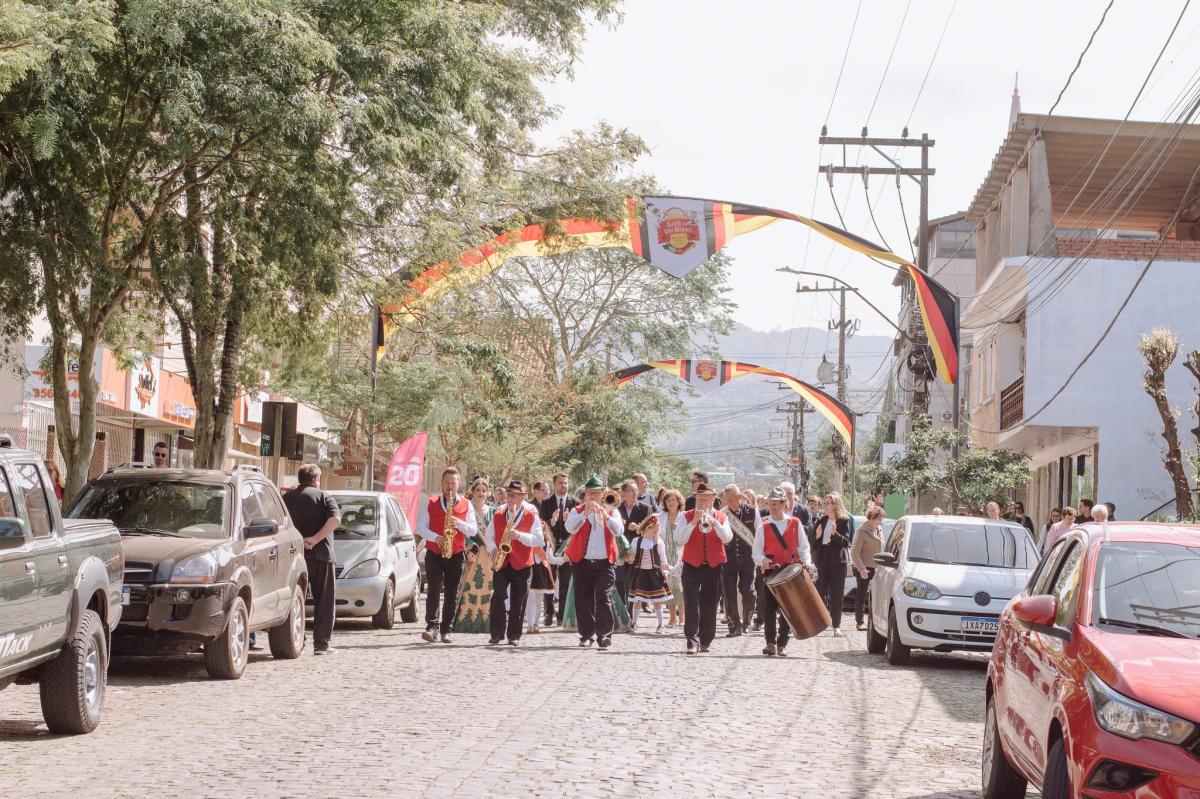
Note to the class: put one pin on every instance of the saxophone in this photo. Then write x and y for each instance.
(505, 547)
(450, 530)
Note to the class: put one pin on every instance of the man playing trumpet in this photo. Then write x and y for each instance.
(594, 529)
(778, 541)
(702, 533)
(445, 522)
(516, 529)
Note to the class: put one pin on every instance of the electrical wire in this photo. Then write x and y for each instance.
(888, 65)
(937, 48)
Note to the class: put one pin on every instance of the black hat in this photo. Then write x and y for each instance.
(515, 485)
(703, 488)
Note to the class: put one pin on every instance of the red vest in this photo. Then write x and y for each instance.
(521, 556)
(791, 539)
(437, 522)
(577, 547)
(703, 549)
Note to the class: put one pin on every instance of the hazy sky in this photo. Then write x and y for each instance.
(731, 97)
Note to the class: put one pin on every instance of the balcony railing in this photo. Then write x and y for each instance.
(1012, 404)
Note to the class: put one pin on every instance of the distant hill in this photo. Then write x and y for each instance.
(723, 427)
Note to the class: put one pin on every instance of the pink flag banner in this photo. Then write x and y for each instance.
(404, 474)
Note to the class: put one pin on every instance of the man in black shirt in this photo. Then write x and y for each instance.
(316, 515)
(554, 511)
(633, 513)
(698, 479)
(738, 572)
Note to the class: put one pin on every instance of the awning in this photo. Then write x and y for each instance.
(1001, 298)
(250, 436)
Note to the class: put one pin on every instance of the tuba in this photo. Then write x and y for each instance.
(449, 531)
(505, 547)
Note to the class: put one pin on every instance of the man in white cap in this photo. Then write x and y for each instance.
(779, 540)
(702, 533)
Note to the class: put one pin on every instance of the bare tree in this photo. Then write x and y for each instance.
(1160, 348)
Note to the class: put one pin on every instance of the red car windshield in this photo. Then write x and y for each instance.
(1151, 588)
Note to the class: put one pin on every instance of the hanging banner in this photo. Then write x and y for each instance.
(676, 235)
(404, 474)
(708, 375)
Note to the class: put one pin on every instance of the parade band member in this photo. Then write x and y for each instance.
(518, 521)
(703, 554)
(442, 574)
(778, 540)
(738, 572)
(592, 550)
(554, 512)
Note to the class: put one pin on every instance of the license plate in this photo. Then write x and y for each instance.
(977, 624)
(125, 595)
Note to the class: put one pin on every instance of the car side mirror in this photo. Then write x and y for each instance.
(12, 532)
(1039, 610)
(261, 528)
(395, 538)
(885, 559)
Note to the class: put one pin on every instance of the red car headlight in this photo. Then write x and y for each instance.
(1131, 719)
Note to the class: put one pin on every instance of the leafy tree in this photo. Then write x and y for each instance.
(210, 110)
(1160, 347)
(974, 478)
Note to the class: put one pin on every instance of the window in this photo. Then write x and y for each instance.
(268, 500)
(896, 540)
(998, 546)
(9, 537)
(397, 523)
(1148, 584)
(951, 243)
(1039, 582)
(249, 503)
(359, 520)
(137, 506)
(1066, 585)
(29, 483)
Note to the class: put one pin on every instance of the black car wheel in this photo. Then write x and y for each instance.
(875, 642)
(1057, 784)
(385, 617)
(72, 685)
(897, 652)
(1000, 779)
(226, 655)
(287, 640)
(408, 613)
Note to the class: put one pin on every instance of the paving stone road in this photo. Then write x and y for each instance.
(390, 715)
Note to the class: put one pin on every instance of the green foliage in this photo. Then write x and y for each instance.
(974, 478)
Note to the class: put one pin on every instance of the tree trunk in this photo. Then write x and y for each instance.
(1159, 349)
(1193, 365)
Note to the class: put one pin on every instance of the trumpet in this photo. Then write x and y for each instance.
(611, 499)
(706, 522)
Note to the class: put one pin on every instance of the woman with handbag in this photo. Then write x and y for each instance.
(831, 539)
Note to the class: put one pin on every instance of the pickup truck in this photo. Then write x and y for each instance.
(60, 595)
(210, 557)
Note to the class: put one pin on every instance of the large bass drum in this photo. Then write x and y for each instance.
(799, 601)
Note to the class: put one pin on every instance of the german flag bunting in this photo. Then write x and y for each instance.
(676, 235)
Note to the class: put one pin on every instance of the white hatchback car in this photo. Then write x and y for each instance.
(375, 556)
(941, 582)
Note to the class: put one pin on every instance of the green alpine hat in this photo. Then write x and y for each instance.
(593, 483)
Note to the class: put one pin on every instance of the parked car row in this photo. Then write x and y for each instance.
(1095, 647)
(169, 562)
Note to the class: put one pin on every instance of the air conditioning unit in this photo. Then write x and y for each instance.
(947, 416)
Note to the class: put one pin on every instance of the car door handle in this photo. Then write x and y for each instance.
(30, 567)
(62, 560)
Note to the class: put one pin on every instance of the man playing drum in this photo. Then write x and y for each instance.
(778, 541)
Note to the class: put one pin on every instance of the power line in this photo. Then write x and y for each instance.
(888, 65)
(937, 48)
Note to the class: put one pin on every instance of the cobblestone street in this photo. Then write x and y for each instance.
(389, 715)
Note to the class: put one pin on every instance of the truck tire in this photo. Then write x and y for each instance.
(72, 685)
(287, 640)
(1000, 779)
(408, 613)
(385, 617)
(897, 653)
(225, 656)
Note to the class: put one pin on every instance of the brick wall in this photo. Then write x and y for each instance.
(1129, 249)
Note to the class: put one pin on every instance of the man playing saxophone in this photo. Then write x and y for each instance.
(515, 530)
(445, 522)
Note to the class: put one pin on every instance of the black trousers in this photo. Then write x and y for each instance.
(502, 581)
(701, 590)
(738, 579)
(594, 581)
(760, 590)
(860, 595)
(564, 584)
(442, 576)
(831, 585)
(548, 608)
(777, 633)
(321, 581)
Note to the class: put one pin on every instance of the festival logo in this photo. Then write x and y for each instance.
(678, 230)
(706, 370)
(147, 384)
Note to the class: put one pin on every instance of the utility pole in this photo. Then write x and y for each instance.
(842, 326)
(921, 367)
(797, 458)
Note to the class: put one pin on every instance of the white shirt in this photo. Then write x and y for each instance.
(533, 538)
(759, 551)
(596, 548)
(683, 529)
(468, 526)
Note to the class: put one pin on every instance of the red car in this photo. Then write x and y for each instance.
(1093, 688)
